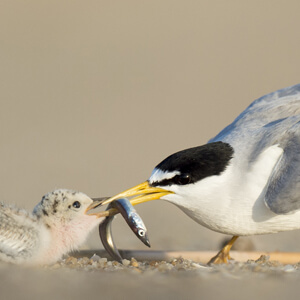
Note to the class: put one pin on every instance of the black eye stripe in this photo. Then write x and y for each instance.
(178, 179)
(164, 182)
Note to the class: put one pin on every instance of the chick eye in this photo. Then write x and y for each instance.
(183, 179)
(76, 204)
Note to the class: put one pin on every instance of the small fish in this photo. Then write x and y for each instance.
(135, 222)
(105, 233)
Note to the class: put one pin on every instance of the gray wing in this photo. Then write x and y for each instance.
(18, 234)
(272, 119)
(283, 189)
(270, 108)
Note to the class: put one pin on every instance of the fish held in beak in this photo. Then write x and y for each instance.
(132, 218)
(106, 237)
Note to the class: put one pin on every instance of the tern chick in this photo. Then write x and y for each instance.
(57, 225)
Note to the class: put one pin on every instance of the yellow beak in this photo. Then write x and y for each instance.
(140, 193)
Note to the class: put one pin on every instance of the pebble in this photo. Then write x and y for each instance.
(289, 268)
(134, 262)
(84, 261)
(95, 257)
(165, 267)
(199, 266)
(109, 263)
(126, 262)
(71, 260)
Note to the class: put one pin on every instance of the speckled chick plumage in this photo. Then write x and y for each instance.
(57, 225)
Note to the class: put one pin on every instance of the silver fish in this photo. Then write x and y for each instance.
(135, 222)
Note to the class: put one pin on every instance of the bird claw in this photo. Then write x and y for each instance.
(223, 256)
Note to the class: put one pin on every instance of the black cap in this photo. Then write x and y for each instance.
(195, 163)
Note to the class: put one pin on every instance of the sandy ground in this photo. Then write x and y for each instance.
(177, 279)
(94, 94)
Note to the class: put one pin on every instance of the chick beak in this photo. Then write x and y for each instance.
(96, 202)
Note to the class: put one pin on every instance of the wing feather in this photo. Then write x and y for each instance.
(271, 120)
(283, 189)
(18, 233)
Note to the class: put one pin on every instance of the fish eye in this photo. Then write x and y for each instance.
(183, 179)
(76, 204)
(141, 232)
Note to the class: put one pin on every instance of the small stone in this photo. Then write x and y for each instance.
(250, 262)
(95, 257)
(126, 262)
(263, 259)
(289, 268)
(71, 260)
(102, 262)
(153, 263)
(134, 262)
(198, 266)
(115, 263)
(89, 267)
(165, 267)
(84, 261)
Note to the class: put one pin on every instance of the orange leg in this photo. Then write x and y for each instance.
(223, 256)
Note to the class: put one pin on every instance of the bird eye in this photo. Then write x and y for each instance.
(76, 204)
(183, 179)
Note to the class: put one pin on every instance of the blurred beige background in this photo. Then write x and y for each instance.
(93, 94)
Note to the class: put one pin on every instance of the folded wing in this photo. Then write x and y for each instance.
(283, 189)
(18, 234)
